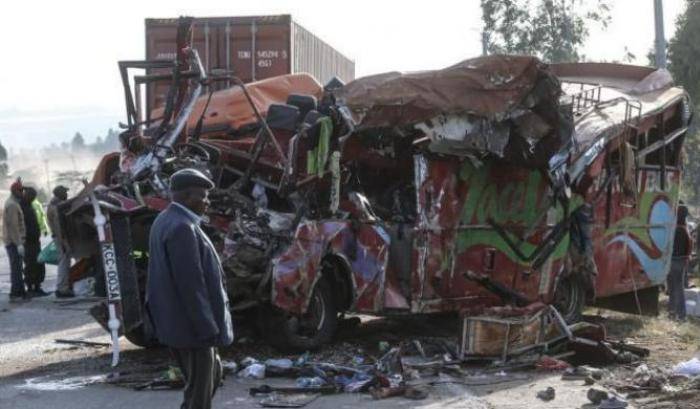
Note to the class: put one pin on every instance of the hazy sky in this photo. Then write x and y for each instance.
(59, 66)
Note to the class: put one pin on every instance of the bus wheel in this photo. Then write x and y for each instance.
(312, 329)
(569, 299)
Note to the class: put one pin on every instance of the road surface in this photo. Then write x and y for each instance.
(37, 373)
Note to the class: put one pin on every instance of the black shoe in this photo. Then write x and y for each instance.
(38, 292)
(64, 294)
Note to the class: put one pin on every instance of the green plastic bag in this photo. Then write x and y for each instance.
(49, 254)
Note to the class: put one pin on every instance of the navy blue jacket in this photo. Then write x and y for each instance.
(185, 294)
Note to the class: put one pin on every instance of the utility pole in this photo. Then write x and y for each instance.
(660, 39)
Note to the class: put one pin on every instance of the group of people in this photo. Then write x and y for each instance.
(24, 223)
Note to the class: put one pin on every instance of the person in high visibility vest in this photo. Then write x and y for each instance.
(34, 272)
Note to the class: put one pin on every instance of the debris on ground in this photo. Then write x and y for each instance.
(547, 363)
(688, 368)
(287, 400)
(79, 342)
(253, 371)
(267, 389)
(547, 394)
(45, 383)
(583, 372)
(230, 367)
(410, 367)
(613, 403)
(170, 379)
(596, 396)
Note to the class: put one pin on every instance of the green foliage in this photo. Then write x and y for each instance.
(684, 50)
(553, 30)
(691, 168)
(683, 55)
(3, 153)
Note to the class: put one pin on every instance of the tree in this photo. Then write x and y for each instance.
(78, 142)
(553, 30)
(112, 140)
(4, 167)
(684, 49)
(3, 153)
(683, 54)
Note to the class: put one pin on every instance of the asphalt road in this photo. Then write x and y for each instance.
(37, 373)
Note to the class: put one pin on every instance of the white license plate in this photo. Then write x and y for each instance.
(109, 259)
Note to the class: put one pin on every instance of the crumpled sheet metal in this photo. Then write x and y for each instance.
(230, 108)
(649, 89)
(488, 86)
(462, 135)
(507, 106)
(364, 250)
(607, 122)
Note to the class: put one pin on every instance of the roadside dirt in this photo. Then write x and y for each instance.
(669, 342)
(28, 350)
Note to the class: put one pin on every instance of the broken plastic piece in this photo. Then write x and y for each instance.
(253, 371)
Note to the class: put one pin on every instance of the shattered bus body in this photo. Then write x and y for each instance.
(499, 180)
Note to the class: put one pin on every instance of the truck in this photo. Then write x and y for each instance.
(250, 47)
(500, 180)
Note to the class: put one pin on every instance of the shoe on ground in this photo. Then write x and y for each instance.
(64, 294)
(39, 292)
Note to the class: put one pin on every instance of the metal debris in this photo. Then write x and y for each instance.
(547, 394)
(82, 343)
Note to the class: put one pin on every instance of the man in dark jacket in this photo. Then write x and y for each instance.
(185, 296)
(679, 266)
(34, 271)
(63, 286)
(13, 234)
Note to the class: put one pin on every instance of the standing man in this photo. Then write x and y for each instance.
(13, 234)
(185, 294)
(63, 287)
(34, 271)
(679, 266)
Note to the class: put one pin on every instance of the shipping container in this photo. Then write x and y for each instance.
(251, 47)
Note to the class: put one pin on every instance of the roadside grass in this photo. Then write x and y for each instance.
(669, 341)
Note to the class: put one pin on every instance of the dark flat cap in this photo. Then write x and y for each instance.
(187, 178)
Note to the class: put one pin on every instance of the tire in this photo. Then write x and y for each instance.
(138, 337)
(569, 299)
(311, 330)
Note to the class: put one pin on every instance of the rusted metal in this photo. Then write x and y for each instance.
(504, 337)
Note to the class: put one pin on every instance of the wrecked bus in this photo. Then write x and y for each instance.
(499, 180)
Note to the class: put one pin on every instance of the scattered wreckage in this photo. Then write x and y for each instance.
(498, 181)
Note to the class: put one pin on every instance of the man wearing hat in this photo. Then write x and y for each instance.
(63, 287)
(13, 234)
(185, 294)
